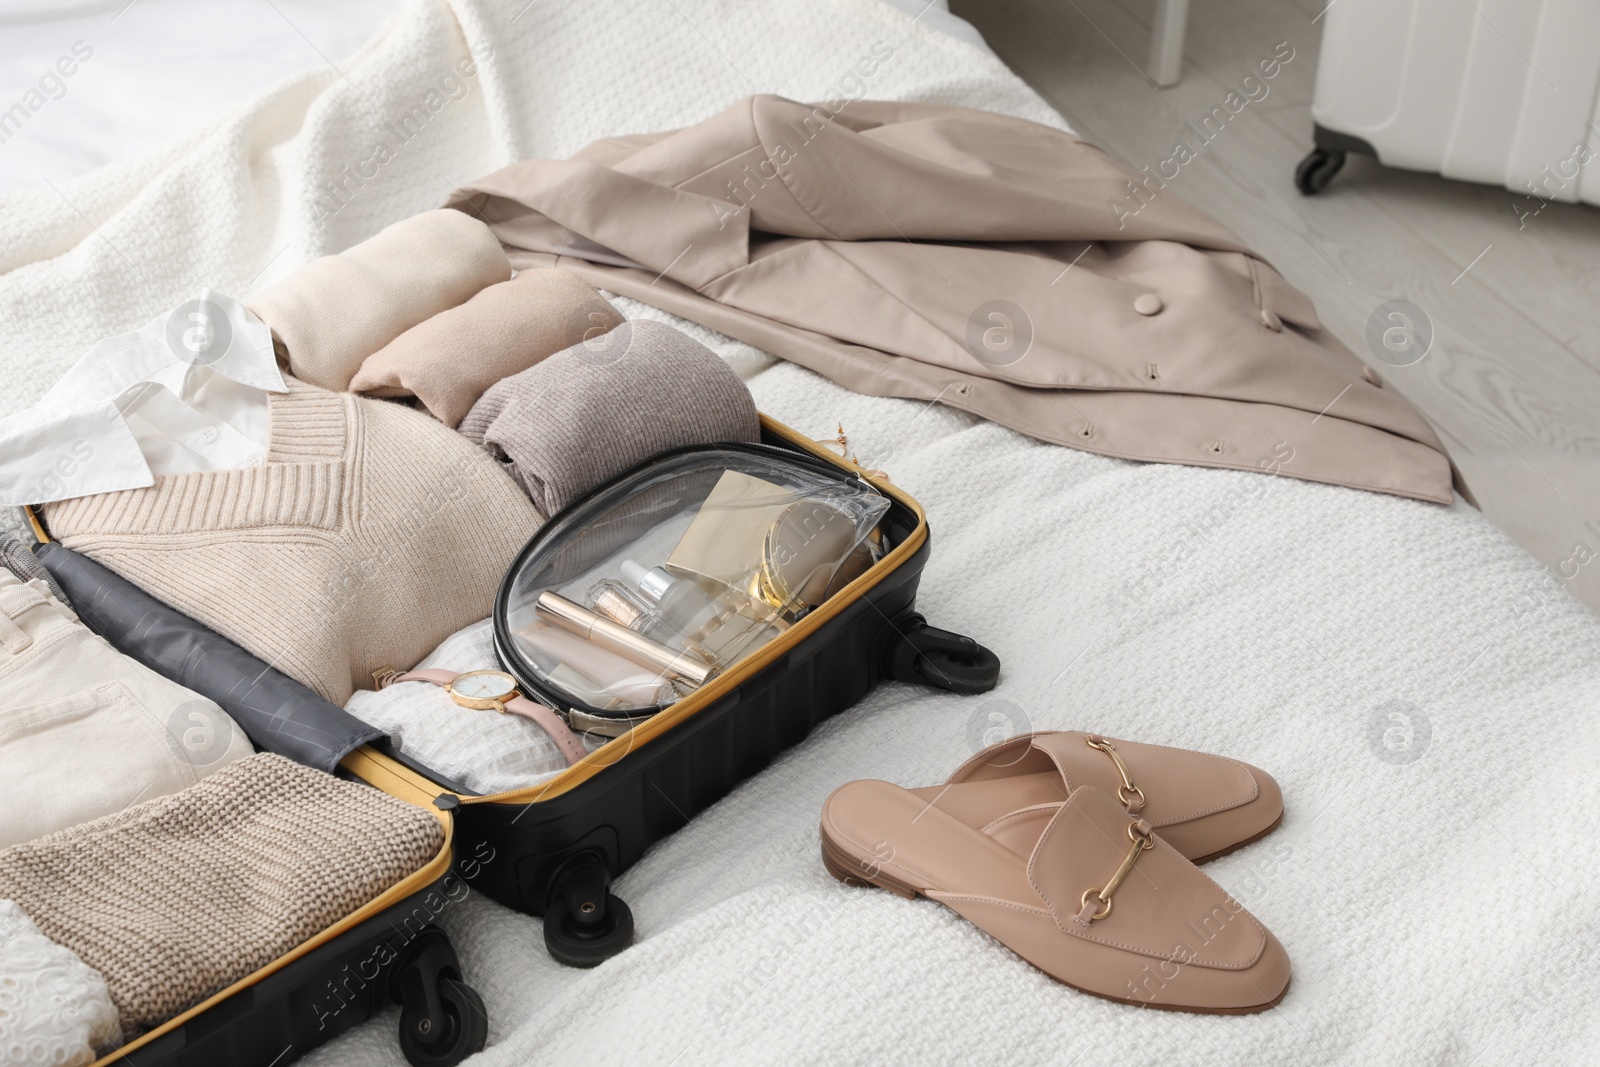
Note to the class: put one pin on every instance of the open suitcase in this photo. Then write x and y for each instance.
(1500, 91)
(389, 951)
(552, 850)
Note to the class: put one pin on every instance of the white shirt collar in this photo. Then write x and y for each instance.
(184, 392)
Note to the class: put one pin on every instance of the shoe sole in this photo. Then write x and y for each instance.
(1231, 849)
(847, 869)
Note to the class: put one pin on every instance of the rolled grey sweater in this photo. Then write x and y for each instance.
(594, 410)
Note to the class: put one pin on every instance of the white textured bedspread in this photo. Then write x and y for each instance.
(1424, 690)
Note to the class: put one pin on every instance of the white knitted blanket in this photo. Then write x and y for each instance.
(1424, 690)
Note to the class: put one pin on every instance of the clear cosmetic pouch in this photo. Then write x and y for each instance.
(657, 582)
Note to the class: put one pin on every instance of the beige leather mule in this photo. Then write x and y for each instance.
(1090, 894)
(1204, 806)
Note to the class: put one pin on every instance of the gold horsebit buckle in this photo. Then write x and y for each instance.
(1096, 903)
(1132, 796)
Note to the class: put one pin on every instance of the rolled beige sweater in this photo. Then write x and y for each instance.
(177, 898)
(336, 311)
(447, 361)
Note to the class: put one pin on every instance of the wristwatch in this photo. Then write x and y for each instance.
(497, 691)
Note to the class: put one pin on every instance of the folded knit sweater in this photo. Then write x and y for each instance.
(371, 534)
(177, 898)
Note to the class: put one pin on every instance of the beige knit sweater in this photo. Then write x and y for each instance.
(371, 534)
(174, 899)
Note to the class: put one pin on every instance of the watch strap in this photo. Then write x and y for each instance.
(567, 742)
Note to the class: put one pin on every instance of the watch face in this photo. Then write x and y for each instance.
(485, 685)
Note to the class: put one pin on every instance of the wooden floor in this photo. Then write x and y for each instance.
(1513, 379)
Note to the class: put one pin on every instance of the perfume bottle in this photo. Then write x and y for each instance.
(712, 619)
(625, 605)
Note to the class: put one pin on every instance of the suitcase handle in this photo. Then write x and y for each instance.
(927, 655)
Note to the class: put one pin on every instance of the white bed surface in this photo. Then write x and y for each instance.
(1422, 689)
(157, 69)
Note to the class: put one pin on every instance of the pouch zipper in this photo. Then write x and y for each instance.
(505, 648)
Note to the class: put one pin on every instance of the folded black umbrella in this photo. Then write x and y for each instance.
(278, 713)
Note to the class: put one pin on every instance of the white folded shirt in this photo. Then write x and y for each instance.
(187, 391)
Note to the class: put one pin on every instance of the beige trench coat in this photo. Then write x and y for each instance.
(984, 262)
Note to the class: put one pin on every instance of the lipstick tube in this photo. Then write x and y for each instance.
(578, 619)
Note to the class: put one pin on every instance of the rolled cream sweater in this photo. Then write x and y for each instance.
(336, 311)
(371, 534)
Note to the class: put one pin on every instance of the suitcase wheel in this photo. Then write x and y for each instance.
(1316, 170)
(442, 1019)
(926, 655)
(585, 923)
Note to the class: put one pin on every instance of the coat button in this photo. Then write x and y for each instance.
(1147, 304)
(1270, 320)
(1372, 376)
